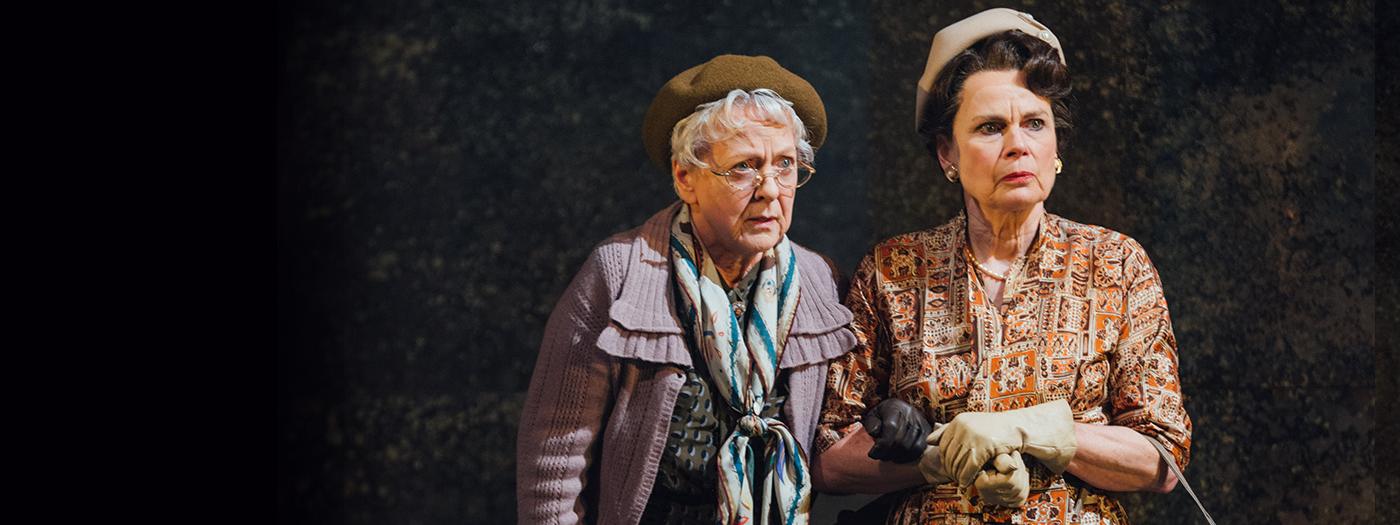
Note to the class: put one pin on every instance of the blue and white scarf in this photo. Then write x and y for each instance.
(743, 365)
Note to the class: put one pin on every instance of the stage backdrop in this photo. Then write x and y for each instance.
(443, 168)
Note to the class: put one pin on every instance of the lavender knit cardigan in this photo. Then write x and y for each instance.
(610, 368)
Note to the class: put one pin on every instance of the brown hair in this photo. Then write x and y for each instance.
(1046, 76)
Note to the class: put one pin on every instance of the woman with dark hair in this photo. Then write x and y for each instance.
(1041, 347)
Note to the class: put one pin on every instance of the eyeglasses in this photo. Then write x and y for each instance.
(746, 175)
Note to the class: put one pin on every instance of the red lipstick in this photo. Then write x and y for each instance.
(1018, 177)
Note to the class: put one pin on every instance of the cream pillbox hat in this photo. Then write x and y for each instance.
(959, 36)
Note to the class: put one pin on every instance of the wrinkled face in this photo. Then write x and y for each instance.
(734, 223)
(1003, 142)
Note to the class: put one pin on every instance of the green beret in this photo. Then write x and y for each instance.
(713, 80)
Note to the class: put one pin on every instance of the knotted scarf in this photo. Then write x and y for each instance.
(743, 356)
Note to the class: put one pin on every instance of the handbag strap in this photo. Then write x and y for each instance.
(1171, 463)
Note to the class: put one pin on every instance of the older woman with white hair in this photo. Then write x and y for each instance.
(681, 373)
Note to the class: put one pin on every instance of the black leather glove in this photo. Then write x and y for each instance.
(899, 431)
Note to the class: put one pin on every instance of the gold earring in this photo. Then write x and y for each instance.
(951, 174)
(1059, 165)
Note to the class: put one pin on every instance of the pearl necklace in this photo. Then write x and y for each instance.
(967, 251)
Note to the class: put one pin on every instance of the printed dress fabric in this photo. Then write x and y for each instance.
(1083, 319)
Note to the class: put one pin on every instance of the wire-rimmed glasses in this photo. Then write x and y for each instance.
(746, 175)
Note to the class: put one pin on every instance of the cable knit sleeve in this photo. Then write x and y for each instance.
(570, 391)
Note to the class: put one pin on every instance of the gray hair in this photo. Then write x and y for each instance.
(723, 119)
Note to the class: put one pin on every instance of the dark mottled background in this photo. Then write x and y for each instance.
(444, 167)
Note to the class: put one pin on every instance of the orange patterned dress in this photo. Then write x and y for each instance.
(1083, 319)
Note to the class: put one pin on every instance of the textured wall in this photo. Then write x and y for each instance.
(444, 167)
(1387, 256)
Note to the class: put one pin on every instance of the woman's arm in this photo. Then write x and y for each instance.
(562, 419)
(855, 382)
(1119, 459)
(1145, 394)
(845, 468)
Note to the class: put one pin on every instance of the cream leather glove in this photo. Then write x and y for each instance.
(931, 462)
(1007, 483)
(971, 439)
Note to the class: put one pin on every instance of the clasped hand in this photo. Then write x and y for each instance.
(976, 448)
(899, 430)
(903, 435)
(970, 440)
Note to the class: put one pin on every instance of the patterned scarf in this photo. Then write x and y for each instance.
(744, 368)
